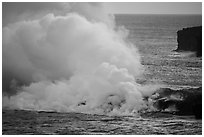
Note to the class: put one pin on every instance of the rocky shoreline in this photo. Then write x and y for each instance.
(190, 39)
(186, 119)
(185, 101)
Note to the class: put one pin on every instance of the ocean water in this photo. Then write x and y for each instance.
(155, 36)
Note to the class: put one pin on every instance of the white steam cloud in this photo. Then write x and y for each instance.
(75, 62)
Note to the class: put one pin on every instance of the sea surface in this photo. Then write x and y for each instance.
(155, 36)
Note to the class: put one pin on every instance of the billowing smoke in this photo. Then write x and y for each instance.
(75, 62)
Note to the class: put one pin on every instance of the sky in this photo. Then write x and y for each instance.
(154, 7)
(13, 12)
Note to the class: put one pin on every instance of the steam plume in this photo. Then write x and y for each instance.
(73, 62)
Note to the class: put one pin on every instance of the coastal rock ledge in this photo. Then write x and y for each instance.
(190, 39)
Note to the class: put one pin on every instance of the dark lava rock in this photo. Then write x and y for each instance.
(190, 39)
(186, 101)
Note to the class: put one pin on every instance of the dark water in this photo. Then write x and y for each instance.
(156, 37)
(22, 122)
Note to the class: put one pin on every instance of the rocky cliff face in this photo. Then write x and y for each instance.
(190, 39)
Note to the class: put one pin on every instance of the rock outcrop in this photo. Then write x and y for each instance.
(185, 101)
(190, 39)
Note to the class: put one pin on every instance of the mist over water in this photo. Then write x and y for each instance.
(77, 62)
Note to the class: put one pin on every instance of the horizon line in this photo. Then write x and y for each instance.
(155, 14)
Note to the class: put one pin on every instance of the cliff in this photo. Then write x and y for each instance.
(190, 39)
